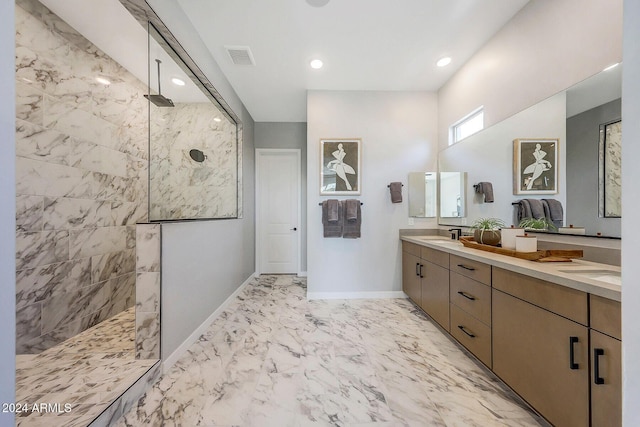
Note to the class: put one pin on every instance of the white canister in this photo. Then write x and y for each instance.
(509, 237)
(526, 244)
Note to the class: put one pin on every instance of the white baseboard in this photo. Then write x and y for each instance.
(173, 357)
(302, 274)
(356, 295)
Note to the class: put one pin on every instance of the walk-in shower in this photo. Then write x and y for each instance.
(97, 158)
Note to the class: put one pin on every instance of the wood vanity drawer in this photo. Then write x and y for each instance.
(605, 316)
(471, 296)
(435, 256)
(470, 268)
(566, 302)
(471, 333)
(411, 248)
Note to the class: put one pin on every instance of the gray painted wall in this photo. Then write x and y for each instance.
(630, 209)
(583, 134)
(289, 135)
(7, 212)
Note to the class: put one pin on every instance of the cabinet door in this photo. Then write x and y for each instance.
(606, 381)
(411, 277)
(543, 357)
(435, 292)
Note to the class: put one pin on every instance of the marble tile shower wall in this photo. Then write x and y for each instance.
(81, 174)
(181, 187)
(148, 273)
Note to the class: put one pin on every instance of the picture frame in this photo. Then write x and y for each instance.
(535, 166)
(610, 170)
(340, 166)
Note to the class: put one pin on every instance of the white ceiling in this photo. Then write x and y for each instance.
(365, 45)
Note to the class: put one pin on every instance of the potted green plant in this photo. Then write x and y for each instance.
(537, 224)
(487, 230)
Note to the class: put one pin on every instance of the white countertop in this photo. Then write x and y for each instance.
(599, 279)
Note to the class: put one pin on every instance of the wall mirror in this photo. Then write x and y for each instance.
(575, 117)
(423, 194)
(452, 187)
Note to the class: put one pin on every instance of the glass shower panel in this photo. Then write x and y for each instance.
(193, 143)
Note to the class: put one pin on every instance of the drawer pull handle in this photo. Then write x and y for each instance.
(572, 364)
(466, 268)
(467, 296)
(597, 379)
(421, 276)
(463, 329)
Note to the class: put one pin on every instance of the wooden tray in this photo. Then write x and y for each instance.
(549, 255)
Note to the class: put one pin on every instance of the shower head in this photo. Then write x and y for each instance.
(159, 100)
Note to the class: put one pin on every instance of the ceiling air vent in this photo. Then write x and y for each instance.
(240, 55)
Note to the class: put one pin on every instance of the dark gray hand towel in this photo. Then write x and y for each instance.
(537, 210)
(352, 209)
(333, 213)
(524, 210)
(554, 211)
(351, 228)
(485, 188)
(331, 229)
(545, 206)
(396, 192)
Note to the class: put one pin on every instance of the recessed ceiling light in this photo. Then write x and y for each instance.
(103, 81)
(217, 119)
(612, 66)
(443, 62)
(316, 64)
(178, 82)
(317, 3)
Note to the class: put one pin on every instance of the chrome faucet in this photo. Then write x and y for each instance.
(455, 233)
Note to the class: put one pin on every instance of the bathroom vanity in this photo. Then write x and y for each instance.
(551, 331)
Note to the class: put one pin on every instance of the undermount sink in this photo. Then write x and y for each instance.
(608, 276)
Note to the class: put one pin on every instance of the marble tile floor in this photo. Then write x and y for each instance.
(87, 371)
(275, 359)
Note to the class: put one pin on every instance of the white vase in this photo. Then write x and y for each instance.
(526, 244)
(509, 237)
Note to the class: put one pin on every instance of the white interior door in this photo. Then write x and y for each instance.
(278, 210)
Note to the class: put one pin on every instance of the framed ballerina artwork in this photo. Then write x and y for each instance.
(340, 166)
(535, 166)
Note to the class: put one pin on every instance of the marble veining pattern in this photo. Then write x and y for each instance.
(611, 158)
(181, 187)
(148, 281)
(272, 358)
(88, 371)
(81, 180)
